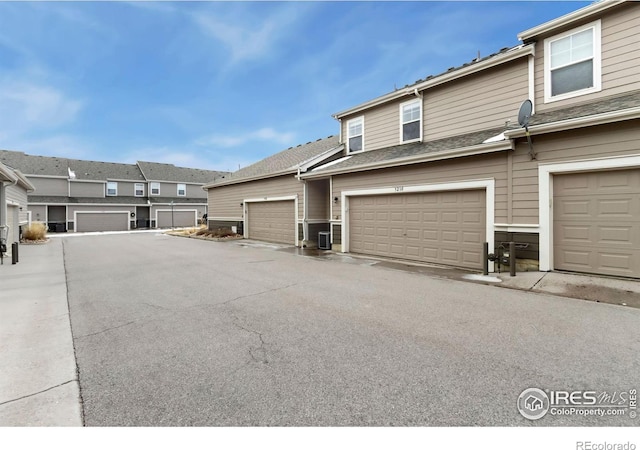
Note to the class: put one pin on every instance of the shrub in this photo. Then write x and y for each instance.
(218, 233)
(35, 232)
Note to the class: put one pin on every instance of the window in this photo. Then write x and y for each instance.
(139, 190)
(182, 190)
(572, 63)
(155, 188)
(112, 188)
(411, 121)
(355, 135)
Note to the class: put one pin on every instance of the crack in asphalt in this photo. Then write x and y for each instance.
(257, 293)
(258, 354)
(107, 329)
(37, 393)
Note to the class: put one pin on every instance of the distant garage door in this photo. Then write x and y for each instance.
(438, 227)
(102, 221)
(179, 218)
(597, 222)
(272, 221)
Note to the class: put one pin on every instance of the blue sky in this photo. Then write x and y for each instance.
(219, 85)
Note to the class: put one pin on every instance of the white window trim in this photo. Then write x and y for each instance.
(359, 118)
(135, 189)
(402, 105)
(597, 63)
(151, 188)
(106, 189)
(178, 190)
(545, 189)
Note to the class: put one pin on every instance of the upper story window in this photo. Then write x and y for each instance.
(182, 190)
(572, 64)
(355, 135)
(155, 188)
(112, 188)
(138, 190)
(411, 121)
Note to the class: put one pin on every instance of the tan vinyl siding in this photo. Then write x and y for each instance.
(318, 199)
(593, 142)
(478, 102)
(51, 186)
(224, 201)
(461, 169)
(83, 189)
(620, 58)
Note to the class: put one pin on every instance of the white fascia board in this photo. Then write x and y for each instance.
(510, 55)
(568, 19)
(60, 177)
(254, 178)
(579, 122)
(22, 179)
(8, 174)
(304, 166)
(80, 180)
(437, 156)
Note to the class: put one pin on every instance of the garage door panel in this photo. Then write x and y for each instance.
(272, 221)
(113, 221)
(440, 227)
(597, 222)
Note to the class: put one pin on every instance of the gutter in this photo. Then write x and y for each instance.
(479, 149)
(510, 55)
(580, 122)
(288, 171)
(568, 19)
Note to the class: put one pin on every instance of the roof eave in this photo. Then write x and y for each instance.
(417, 159)
(568, 19)
(7, 174)
(515, 53)
(287, 171)
(579, 122)
(305, 165)
(22, 179)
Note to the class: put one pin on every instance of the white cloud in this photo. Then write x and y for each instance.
(263, 134)
(26, 106)
(247, 35)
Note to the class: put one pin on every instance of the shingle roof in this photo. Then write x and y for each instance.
(605, 105)
(153, 171)
(57, 166)
(93, 200)
(288, 159)
(408, 150)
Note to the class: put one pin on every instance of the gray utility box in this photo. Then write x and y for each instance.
(324, 240)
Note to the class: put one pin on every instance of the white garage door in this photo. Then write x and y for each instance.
(439, 227)
(272, 221)
(597, 222)
(102, 221)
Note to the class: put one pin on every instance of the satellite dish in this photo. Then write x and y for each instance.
(524, 115)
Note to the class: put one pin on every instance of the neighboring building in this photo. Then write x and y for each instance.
(79, 195)
(430, 171)
(14, 188)
(266, 200)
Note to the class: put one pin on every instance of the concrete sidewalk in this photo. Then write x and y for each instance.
(39, 382)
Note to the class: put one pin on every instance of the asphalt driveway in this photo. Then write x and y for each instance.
(175, 331)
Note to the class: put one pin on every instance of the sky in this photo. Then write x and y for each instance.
(221, 85)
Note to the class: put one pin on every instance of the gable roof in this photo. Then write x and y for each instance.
(282, 163)
(153, 171)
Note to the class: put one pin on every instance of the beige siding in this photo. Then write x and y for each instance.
(196, 191)
(84, 189)
(593, 142)
(620, 58)
(478, 102)
(318, 199)
(461, 169)
(51, 186)
(381, 125)
(18, 195)
(224, 201)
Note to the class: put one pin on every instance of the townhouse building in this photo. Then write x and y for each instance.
(538, 144)
(79, 195)
(14, 188)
